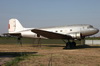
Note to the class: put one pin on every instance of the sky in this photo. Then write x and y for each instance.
(47, 13)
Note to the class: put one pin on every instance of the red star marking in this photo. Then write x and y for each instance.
(8, 26)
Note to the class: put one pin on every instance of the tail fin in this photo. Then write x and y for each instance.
(14, 26)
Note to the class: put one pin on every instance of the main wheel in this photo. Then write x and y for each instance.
(68, 45)
(73, 44)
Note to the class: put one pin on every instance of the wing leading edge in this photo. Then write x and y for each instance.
(50, 35)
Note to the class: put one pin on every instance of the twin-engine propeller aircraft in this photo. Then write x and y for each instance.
(70, 32)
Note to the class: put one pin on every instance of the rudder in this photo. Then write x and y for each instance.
(14, 26)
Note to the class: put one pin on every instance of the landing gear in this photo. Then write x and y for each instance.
(37, 41)
(19, 40)
(70, 45)
(73, 44)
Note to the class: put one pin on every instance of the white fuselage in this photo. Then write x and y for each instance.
(85, 30)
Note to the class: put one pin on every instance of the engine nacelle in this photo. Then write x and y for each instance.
(76, 35)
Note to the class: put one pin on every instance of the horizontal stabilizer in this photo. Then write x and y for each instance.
(12, 34)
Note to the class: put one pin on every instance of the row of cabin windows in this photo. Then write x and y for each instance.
(72, 30)
(62, 30)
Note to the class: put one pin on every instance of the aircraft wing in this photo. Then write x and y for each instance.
(50, 35)
(12, 34)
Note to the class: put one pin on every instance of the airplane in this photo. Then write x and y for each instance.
(70, 32)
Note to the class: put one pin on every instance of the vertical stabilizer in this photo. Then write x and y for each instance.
(14, 26)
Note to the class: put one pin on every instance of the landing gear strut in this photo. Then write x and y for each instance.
(19, 40)
(37, 42)
(70, 45)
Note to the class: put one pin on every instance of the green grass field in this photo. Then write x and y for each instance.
(13, 40)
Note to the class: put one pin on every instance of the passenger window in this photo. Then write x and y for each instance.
(70, 29)
(56, 31)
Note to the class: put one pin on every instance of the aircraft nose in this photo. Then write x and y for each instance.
(96, 30)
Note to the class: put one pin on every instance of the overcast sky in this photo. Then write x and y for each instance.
(46, 13)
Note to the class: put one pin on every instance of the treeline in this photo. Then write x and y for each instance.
(92, 38)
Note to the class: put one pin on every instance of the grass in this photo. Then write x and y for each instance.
(50, 48)
(16, 60)
(53, 56)
(13, 40)
(22, 57)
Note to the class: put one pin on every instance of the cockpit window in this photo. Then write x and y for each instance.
(90, 26)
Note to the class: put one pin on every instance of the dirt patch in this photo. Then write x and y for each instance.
(51, 55)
